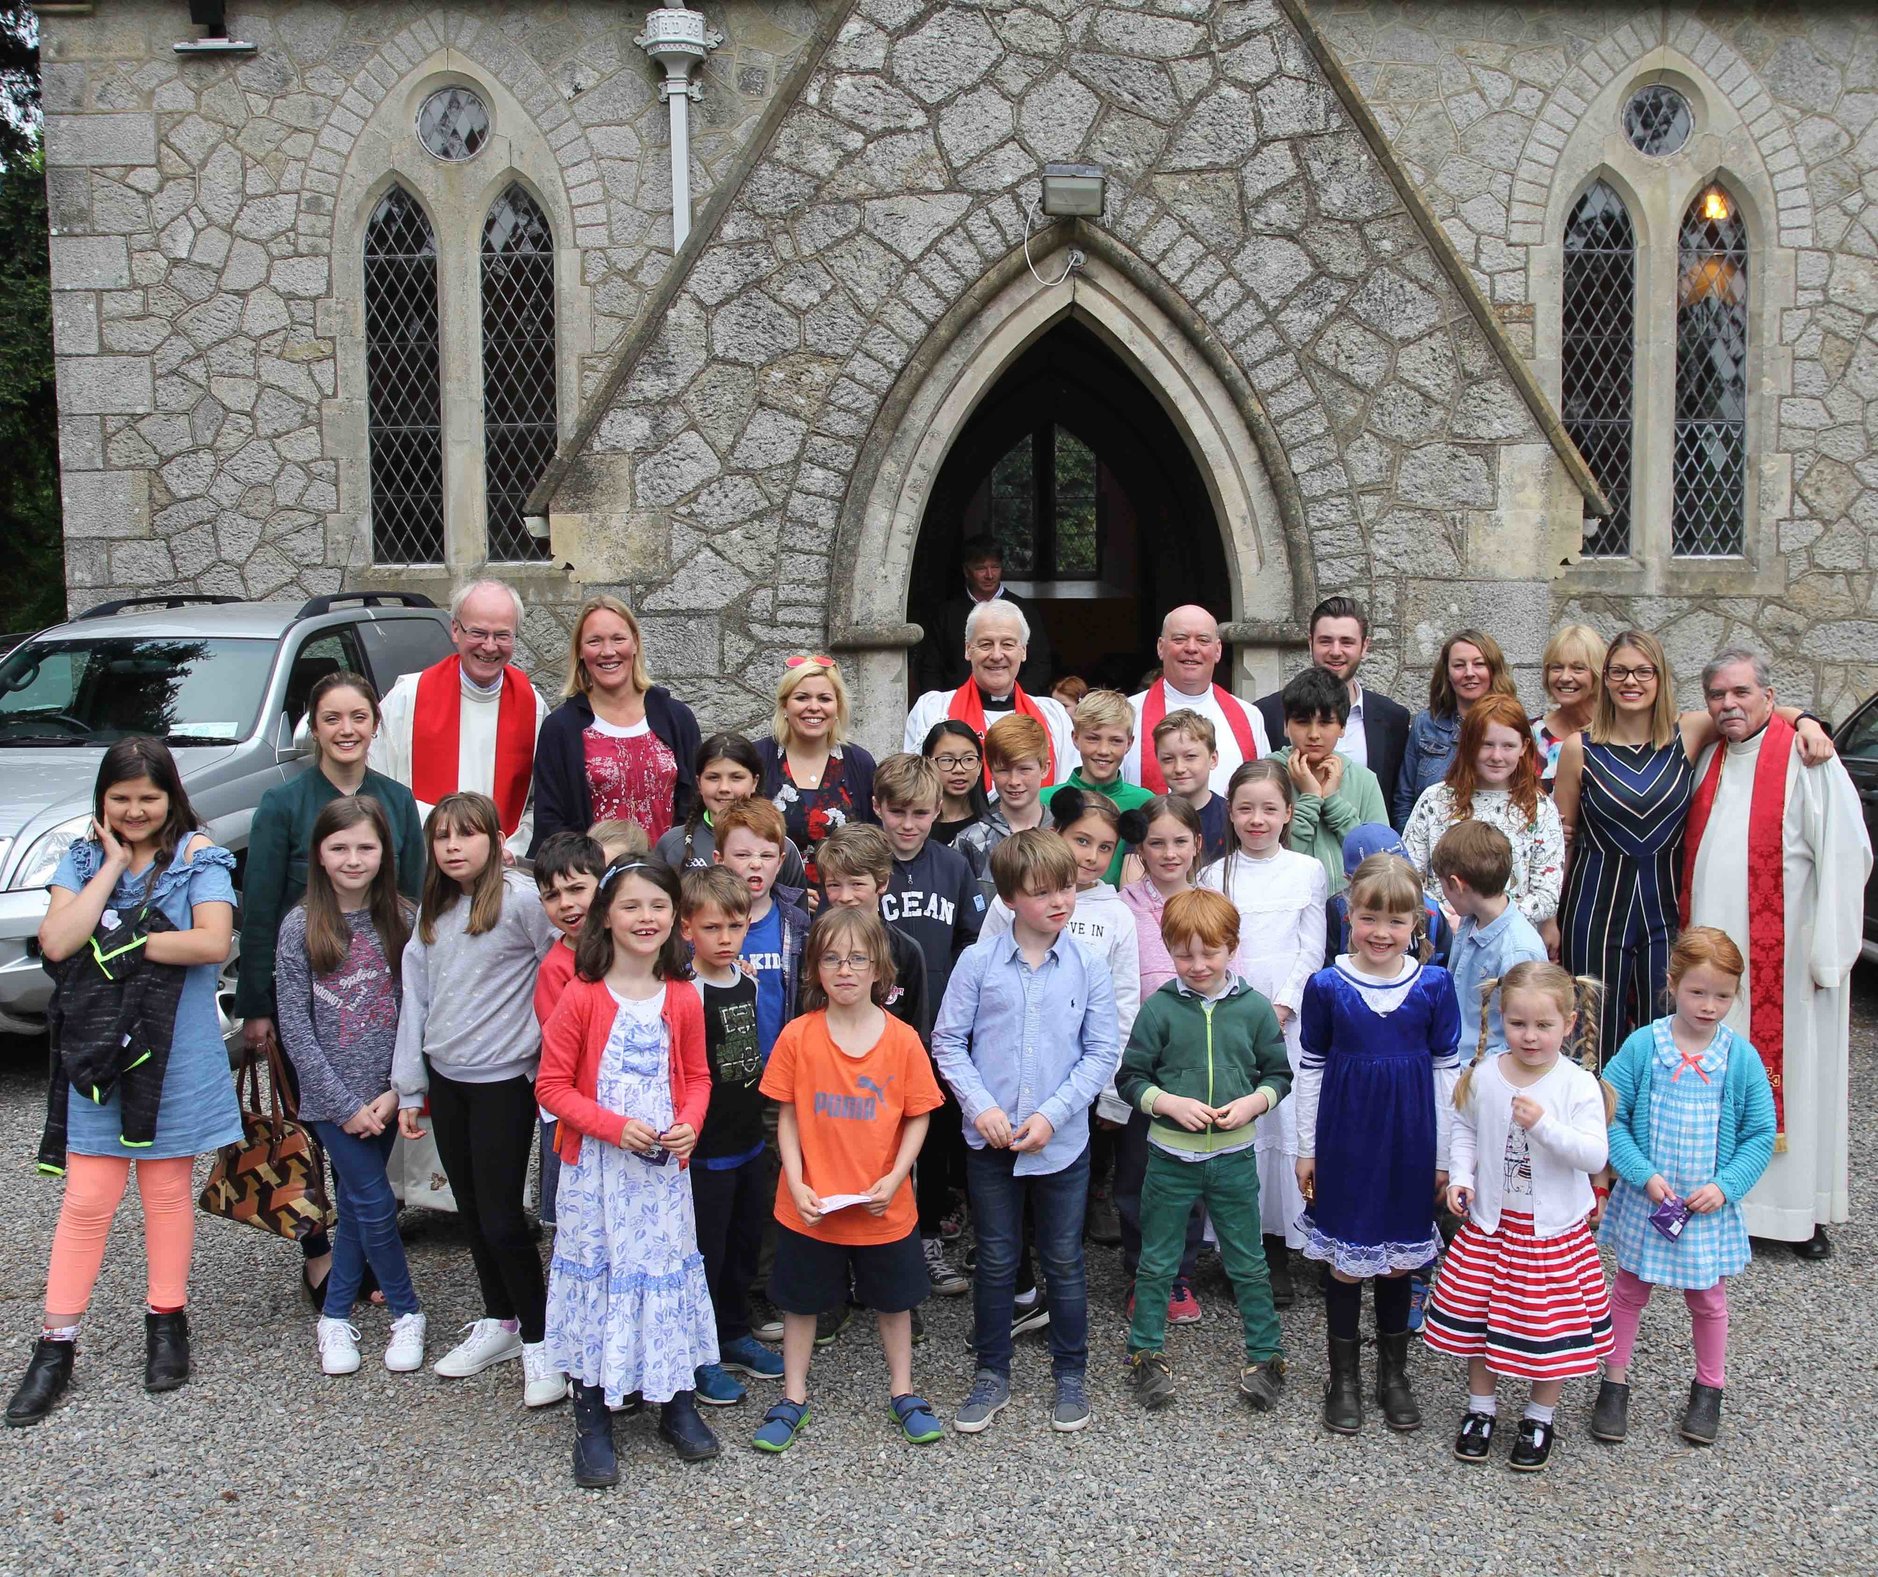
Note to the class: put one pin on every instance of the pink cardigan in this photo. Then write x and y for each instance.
(1145, 903)
(573, 1042)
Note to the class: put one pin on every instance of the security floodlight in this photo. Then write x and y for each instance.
(1072, 191)
(212, 17)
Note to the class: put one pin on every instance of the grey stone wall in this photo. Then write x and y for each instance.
(199, 325)
(1497, 109)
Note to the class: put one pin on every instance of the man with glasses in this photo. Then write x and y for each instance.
(468, 724)
(997, 637)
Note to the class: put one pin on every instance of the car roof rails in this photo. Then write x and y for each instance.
(166, 600)
(369, 599)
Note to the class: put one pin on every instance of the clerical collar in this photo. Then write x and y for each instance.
(987, 699)
(494, 686)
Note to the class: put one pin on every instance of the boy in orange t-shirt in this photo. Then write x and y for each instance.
(854, 1088)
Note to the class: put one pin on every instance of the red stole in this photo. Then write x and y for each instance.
(1767, 898)
(436, 730)
(968, 709)
(1154, 709)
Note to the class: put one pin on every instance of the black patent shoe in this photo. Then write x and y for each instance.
(685, 1431)
(166, 1351)
(1475, 1441)
(1610, 1413)
(1701, 1420)
(1818, 1246)
(48, 1373)
(1533, 1449)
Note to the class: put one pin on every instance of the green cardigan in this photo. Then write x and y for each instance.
(1319, 826)
(274, 874)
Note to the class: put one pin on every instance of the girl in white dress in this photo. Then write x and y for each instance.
(1280, 895)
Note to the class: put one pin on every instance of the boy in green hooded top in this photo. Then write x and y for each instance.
(1205, 1061)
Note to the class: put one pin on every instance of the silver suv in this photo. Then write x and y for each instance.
(225, 682)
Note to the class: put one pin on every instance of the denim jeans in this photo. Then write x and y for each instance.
(1057, 1201)
(368, 1223)
(550, 1174)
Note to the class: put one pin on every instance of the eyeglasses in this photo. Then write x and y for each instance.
(488, 637)
(797, 662)
(1643, 674)
(853, 962)
(955, 763)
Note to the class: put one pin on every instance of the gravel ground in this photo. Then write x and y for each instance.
(260, 1462)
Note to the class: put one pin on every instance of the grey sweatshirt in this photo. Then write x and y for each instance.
(338, 1030)
(469, 1001)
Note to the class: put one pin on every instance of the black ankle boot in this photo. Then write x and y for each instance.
(1278, 1265)
(685, 1431)
(1610, 1413)
(596, 1464)
(1343, 1391)
(1399, 1410)
(45, 1380)
(166, 1351)
(1701, 1420)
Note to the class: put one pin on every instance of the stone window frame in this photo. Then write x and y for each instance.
(1658, 190)
(457, 198)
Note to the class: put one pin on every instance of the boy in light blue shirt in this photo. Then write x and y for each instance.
(1027, 1038)
(1473, 862)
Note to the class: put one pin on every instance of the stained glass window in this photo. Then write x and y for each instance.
(1657, 120)
(1598, 344)
(519, 399)
(1708, 517)
(453, 123)
(403, 389)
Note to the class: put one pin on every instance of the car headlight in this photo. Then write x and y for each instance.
(42, 859)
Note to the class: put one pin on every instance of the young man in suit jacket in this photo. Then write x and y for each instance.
(1377, 733)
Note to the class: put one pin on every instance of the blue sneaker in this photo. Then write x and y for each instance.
(716, 1388)
(747, 1355)
(780, 1426)
(1418, 1299)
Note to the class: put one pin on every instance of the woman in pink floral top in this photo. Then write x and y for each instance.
(811, 773)
(618, 747)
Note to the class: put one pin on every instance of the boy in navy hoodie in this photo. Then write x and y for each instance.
(750, 842)
(933, 899)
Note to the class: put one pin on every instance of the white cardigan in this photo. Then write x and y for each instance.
(1569, 1142)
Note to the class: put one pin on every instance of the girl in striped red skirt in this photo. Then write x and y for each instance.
(1521, 1292)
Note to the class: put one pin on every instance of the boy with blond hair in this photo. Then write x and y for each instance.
(1186, 749)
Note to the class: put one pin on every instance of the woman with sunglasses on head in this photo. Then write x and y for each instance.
(618, 747)
(812, 772)
(1622, 791)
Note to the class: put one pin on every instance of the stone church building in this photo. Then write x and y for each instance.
(1490, 314)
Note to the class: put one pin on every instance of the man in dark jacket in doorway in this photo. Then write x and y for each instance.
(939, 663)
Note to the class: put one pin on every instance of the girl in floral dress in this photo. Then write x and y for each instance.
(623, 1067)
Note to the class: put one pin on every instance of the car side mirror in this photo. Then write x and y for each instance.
(292, 740)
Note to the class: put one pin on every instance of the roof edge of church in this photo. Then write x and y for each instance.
(1452, 264)
(652, 315)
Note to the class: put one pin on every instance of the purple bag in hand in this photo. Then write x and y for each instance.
(1670, 1217)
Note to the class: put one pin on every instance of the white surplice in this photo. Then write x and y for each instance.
(1827, 858)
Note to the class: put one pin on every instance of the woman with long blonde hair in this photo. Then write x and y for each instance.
(618, 747)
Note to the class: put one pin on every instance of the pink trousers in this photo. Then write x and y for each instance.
(94, 1184)
(1708, 1315)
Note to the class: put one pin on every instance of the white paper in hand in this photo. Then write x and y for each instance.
(834, 1202)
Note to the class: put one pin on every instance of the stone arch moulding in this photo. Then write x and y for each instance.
(1230, 439)
(456, 198)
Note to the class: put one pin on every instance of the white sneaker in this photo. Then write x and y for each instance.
(544, 1385)
(406, 1350)
(339, 1347)
(487, 1343)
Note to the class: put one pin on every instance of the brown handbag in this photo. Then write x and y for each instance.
(274, 1178)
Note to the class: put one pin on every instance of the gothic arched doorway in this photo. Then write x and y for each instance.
(1105, 519)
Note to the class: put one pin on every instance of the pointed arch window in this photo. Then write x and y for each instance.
(1598, 355)
(1043, 498)
(404, 392)
(519, 402)
(1708, 515)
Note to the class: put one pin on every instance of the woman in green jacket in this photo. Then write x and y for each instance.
(343, 717)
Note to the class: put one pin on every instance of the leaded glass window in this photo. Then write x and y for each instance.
(1708, 518)
(453, 124)
(519, 402)
(1043, 499)
(403, 388)
(1598, 346)
(1657, 120)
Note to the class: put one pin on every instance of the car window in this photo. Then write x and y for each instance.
(94, 691)
(1860, 739)
(331, 651)
(404, 646)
